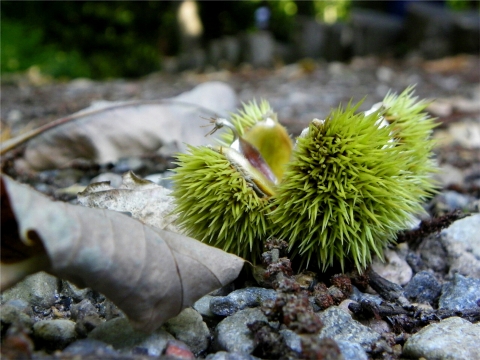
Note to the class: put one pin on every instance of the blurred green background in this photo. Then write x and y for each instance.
(129, 39)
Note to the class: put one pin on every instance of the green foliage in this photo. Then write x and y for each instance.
(460, 5)
(22, 46)
(94, 39)
(217, 205)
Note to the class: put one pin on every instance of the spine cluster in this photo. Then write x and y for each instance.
(351, 182)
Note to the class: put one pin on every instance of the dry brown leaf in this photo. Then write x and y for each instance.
(149, 273)
(146, 201)
(108, 131)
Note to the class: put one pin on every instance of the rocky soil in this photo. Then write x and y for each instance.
(424, 301)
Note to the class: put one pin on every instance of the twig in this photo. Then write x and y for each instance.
(427, 227)
(11, 144)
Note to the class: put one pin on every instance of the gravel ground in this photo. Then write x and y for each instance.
(423, 302)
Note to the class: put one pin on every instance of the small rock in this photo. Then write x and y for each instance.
(394, 269)
(54, 334)
(378, 325)
(466, 133)
(14, 116)
(358, 296)
(178, 350)
(202, 305)
(453, 200)
(463, 248)
(12, 314)
(344, 305)
(423, 288)
(86, 317)
(449, 175)
(77, 294)
(433, 254)
(340, 326)
(189, 327)
(39, 289)
(223, 355)
(460, 294)
(453, 339)
(89, 347)
(124, 165)
(232, 333)
(240, 299)
(352, 351)
(292, 340)
(119, 333)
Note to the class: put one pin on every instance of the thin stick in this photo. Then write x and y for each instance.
(11, 144)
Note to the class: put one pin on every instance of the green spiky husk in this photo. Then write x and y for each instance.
(349, 188)
(246, 118)
(216, 205)
(413, 128)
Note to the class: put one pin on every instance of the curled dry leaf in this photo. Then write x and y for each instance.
(107, 131)
(146, 201)
(149, 273)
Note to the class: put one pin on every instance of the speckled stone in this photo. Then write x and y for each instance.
(54, 333)
(461, 293)
(451, 339)
(119, 333)
(232, 333)
(188, 326)
(39, 289)
(461, 241)
(423, 288)
(340, 326)
(240, 299)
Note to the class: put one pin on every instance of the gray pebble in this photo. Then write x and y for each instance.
(86, 317)
(423, 288)
(292, 340)
(240, 299)
(89, 347)
(462, 243)
(461, 293)
(433, 254)
(453, 339)
(202, 305)
(70, 290)
(188, 326)
(119, 333)
(358, 296)
(54, 333)
(340, 326)
(351, 350)
(10, 314)
(232, 333)
(452, 200)
(223, 355)
(39, 290)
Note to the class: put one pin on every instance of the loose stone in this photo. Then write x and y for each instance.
(460, 294)
(54, 334)
(340, 326)
(423, 288)
(119, 333)
(232, 333)
(453, 339)
(189, 327)
(240, 299)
